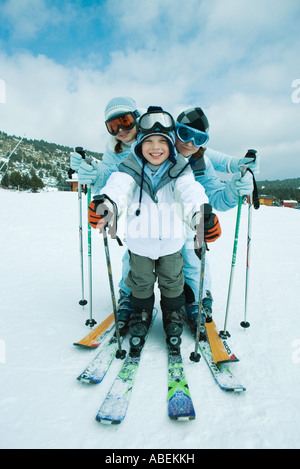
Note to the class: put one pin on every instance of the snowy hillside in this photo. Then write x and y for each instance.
(42, 405)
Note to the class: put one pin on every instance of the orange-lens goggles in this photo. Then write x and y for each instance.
(125, 121)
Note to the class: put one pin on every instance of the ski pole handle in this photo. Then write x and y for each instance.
(251, 154)
(256, 203)
(81, 151)
(244, 168)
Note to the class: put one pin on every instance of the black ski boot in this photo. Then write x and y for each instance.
(172, 323)
(139, 324)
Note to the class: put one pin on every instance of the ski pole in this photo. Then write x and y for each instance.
(253, 200)
(224, 333)
(120, 353)
(245, 323)
(89, 322)
(82, 302)
(9, 157)
(195, 355)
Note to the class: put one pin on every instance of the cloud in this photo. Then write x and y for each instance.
(235, 59)
(27, 17)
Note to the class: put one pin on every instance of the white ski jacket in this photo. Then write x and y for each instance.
(157, 229)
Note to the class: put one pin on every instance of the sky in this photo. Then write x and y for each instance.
(61, 61)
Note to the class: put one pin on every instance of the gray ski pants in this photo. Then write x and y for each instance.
(144, 271)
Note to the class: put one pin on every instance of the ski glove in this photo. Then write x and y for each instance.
(207, 226)
(87, 173)
(102, 213)
(75, 161)
(235, 164)
(241, 185)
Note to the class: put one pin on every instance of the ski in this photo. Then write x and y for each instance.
(98, 367)
(180, 404)
(221, 373)
(219, 348)
(97, 335)
(114, 407)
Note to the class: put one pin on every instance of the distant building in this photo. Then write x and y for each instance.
(268, 200)
(290, 203)
(73, 181)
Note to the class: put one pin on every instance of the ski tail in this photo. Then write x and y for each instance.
(97, 335)
(219, 348)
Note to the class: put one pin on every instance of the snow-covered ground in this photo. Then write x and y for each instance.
(42, 405)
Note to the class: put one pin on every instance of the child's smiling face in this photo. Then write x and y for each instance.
(186, 148)
(126, 136)
(155, 149)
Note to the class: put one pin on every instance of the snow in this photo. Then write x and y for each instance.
(44, 406)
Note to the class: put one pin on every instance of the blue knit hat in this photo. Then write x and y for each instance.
(119, 105)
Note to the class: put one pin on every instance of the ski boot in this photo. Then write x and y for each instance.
(139, 324)
(207, 306)
(192, 311)
(124, 310)
(172, 323)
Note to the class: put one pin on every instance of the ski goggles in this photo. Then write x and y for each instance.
(156, 121)
(124, 121)
(186, 134)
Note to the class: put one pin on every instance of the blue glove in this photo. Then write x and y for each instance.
(241, 185)
(87, 173)
(236, 163)
(75, 161)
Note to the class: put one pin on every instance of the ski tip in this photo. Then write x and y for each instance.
(107, 421)
(183, 418)
(235, 390)
(87, 381)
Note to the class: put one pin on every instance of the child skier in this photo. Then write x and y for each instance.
(156, 193)
(191, 137)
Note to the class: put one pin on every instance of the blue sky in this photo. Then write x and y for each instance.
(61, 61)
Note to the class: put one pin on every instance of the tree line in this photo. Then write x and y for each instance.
(26, 182)
(287, 189)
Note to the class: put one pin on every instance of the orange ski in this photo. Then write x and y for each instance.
(94, 338)
(220, 349)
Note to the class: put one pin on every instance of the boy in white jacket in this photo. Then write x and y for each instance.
(155, 194)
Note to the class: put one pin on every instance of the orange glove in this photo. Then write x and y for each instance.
(212, 228)
(209, 231)
(100, 213)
